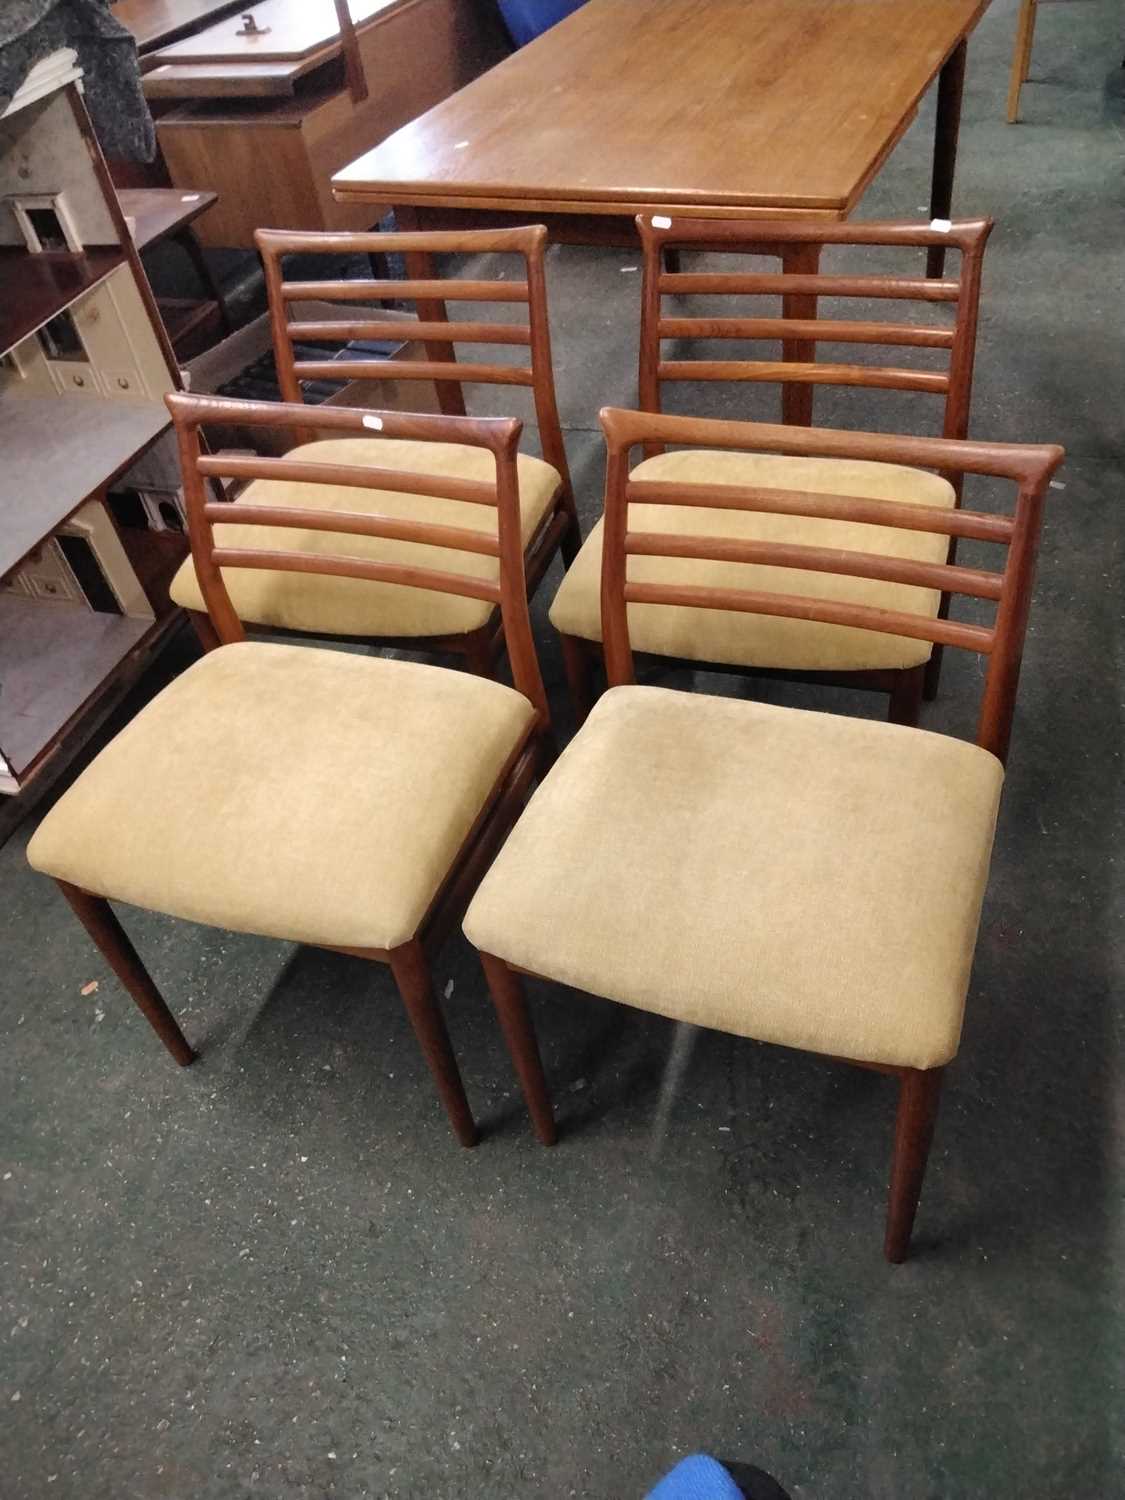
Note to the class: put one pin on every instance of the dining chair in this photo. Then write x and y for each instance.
(1021, 56)
(807, 879)
(315, 795)
(320, 605)
(905, 669)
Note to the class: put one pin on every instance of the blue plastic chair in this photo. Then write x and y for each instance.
(697, 1478)
(527, 19)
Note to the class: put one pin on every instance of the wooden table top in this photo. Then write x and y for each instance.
(739, 108)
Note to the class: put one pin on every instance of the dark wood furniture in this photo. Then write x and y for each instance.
(265, 115)
(169, 214)
(528, 330)
(86, 364)
(297, 816)
(946, 325)
(637, 101)
(540, 923)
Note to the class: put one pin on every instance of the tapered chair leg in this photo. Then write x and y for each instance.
(906, 696)
(97, 916)
(1021, 57)
(415, 984)
(515, 1022)
(579, 676)
(206, 633)
(478, 653)
(570, 543)
(931, 680)
(914, 1130)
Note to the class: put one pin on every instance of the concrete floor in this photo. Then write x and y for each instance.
(275, 1274)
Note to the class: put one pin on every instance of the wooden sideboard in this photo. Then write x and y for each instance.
(265, 116)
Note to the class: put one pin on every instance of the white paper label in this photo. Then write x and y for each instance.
(943, 226)
(374, 422)
(659, 221)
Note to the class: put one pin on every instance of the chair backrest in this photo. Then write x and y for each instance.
(1029, 467)
(499, 435)
(802, 243)
(435, 328)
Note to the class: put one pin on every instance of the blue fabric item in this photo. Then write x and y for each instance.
(697, 1478)
(527, 19)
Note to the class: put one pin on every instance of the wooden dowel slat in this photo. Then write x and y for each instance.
(823, 330)
(404, 291)
(410, 369)
(408, 576)
(350, 523)
(352, 476)
(825, 611)
(522, 239)
(976, 583)
(795, 372)
(976, 525)
(782, 283)
(451, 332)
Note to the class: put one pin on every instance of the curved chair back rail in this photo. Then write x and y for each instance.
(435, 328)
(498, 435)
(1027, 466)
(800, 329)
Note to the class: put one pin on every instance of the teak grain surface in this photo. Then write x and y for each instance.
(290, 29)
(728, 108)
(155, 23)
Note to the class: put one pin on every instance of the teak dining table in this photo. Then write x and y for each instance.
(731, 109)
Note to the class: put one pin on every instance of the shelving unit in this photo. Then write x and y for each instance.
(84, 369)
(33, 288)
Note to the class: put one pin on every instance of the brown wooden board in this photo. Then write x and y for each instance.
(58, 450)
(727, 108)
(155, 23)
(288, 31)
(33, 288)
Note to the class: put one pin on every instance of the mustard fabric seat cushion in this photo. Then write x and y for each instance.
(801, 878)
(712, 635)
(298, 793)
(353, 606)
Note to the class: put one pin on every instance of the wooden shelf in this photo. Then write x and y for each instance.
(53, 659)
(59, 450)
(33, 288)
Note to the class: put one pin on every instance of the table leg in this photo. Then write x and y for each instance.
(420, 267)
(797, 400)
(951, 84)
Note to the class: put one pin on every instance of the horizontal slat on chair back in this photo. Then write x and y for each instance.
(1008, 587)
(273, 244)
(952, 380)
(496, 435)
(434, 327)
